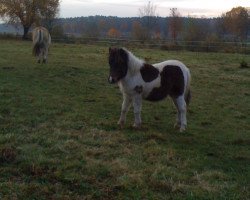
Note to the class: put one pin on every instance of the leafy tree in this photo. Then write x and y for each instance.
(236, 22)
(195, 30)
(113, 33)
(48, 12)
(220, 28)
(57, 32)
(123, 27)
(92, 29)
(138, 31)
(102, 26)
(28, 12)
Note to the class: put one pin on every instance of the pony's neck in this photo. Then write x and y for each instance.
(134, 64)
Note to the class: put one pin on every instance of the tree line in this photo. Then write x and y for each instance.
(230, 27)
(233, 25)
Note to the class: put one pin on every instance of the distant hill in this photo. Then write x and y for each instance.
(4, 28)
(101, 26)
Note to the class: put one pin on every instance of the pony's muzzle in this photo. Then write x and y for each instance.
(112, 80)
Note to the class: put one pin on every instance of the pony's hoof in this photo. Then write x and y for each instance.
(121, 124)
(137, 126)
(182, 129)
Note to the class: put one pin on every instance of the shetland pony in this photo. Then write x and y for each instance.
(138, 80)
(41, 42)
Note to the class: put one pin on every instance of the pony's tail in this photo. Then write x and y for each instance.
(40, 37)
(36, 50)
(188, 95)
(38, 45)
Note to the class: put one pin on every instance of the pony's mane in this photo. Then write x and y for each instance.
(134, 63)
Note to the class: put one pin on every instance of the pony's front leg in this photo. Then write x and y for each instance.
(125, 107)
(137, 103)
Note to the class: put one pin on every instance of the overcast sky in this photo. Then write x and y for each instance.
(129, 8)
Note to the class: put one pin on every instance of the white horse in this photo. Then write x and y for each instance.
(41, 42)
(138, 80)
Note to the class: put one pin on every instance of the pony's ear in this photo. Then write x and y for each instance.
(122, 52)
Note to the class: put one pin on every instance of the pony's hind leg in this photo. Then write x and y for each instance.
(177, 124)
(137, 102)
(125, 107)
(180, 104)
(40, 56)
(45, 55)
(39, 59)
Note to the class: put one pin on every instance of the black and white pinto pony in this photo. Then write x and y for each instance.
(138, 80)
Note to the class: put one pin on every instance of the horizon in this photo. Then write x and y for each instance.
(130, 8)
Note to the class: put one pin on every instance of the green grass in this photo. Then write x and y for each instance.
(59, 138)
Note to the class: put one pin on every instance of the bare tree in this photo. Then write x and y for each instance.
(149, 17)
(175, 23)
(28, 12)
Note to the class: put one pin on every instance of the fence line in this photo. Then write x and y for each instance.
(164, 44)
(204, 46)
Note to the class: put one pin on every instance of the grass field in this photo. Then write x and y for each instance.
(59, 137)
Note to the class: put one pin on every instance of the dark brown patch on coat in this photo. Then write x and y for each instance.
(149, 73)
(172, 83)
(138, 89)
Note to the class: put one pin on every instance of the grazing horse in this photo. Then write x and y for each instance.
(138, 80)
(41, 41)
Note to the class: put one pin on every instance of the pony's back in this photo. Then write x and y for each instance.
(41, 35)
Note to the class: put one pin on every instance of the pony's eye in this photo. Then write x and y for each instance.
(112, 61)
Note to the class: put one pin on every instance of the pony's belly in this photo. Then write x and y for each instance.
(157, 94)
(148, 87)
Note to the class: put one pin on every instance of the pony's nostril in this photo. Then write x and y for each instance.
(111, 80)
